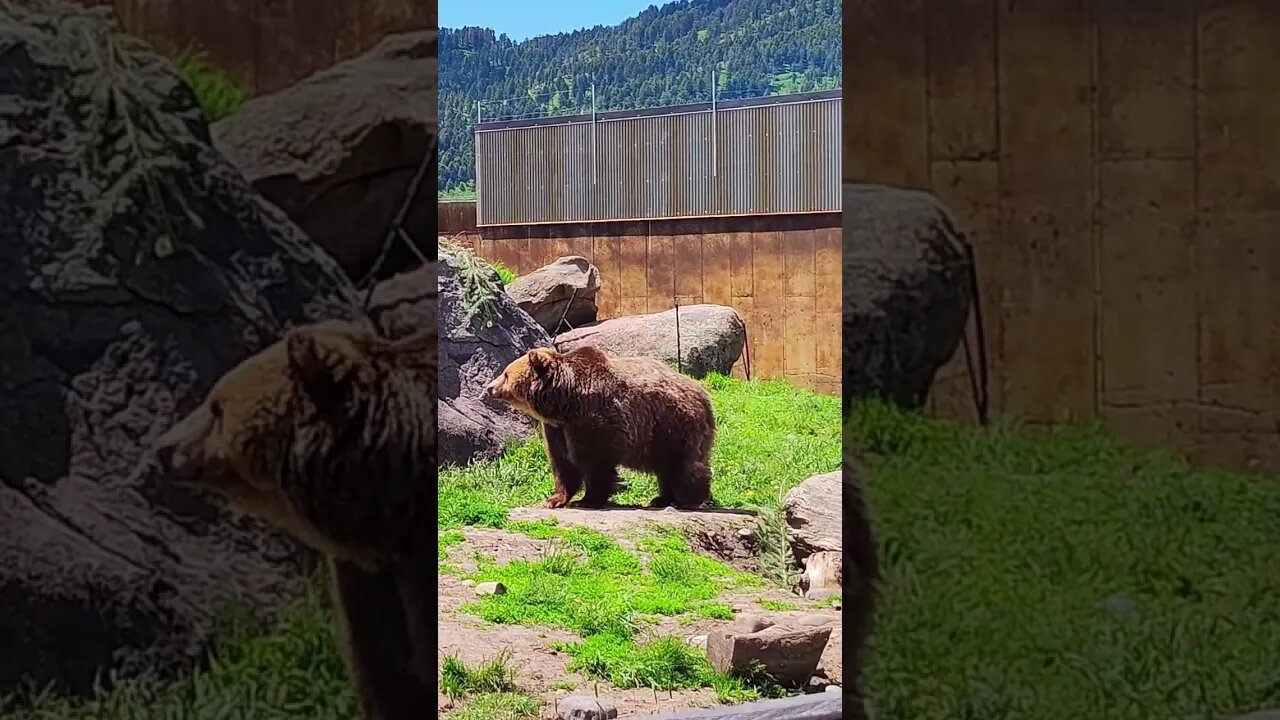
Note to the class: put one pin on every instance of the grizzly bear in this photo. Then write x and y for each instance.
(330, 435)
(599, 412)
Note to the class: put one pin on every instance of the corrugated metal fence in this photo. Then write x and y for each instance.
(764, 156)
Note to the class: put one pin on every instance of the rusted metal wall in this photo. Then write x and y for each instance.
(780, 272)
(765, 156)
(270, 44)
(1116, 164)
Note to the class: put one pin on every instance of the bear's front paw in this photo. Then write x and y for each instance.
(556, 501)
(660, 502)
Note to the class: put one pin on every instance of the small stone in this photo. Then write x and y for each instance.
(1119, 606)
(831, 689)
(698, 641)
(469, 582)
(748, 623)
(745, 532)
(586, 707)
(491, 588)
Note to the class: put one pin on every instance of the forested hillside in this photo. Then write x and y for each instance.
(663, 56)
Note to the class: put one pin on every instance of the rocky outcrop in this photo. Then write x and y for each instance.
(339, 151)
(711, 338)
(907, 293)
(132, 276)
(476, 343)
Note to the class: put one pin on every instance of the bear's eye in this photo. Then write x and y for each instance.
(215, 408)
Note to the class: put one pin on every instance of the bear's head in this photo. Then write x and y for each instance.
(542, 383)
(296, 412)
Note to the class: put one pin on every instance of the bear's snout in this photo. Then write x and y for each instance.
(171, 454)
(493, 389)
(164, 457)
(170, 458)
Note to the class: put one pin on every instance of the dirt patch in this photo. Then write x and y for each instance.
(543, 671)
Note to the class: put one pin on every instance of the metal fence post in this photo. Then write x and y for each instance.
(715, 150)
(595, 199)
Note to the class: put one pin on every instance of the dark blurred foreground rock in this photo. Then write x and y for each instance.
(906, 287)
(338, 151)
(115, 319)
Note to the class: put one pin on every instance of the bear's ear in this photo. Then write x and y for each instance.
(319, 368)
(540, 361)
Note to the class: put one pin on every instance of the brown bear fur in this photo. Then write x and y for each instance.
(599, 413)
(330, 435)
(860, 554)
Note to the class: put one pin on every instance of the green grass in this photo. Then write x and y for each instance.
(587, 583)
(1059, 574)
(217, 93)
(505, 274)
(495, 676)
(500, 706)
(465, 192)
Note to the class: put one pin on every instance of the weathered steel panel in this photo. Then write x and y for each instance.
(776, 155)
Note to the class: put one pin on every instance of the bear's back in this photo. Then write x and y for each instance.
(654, 411)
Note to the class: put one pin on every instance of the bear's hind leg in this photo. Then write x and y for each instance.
(601, 484)
(566, 475)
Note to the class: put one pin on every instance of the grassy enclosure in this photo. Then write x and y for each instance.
(770, 437)
(1028, 574)
(1058, 574)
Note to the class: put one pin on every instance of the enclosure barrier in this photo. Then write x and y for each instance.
(751, 157)
(821, 706)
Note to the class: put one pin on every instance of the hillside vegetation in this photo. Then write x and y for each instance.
(663, 56)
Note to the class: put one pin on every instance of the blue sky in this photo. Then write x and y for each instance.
(523, 19)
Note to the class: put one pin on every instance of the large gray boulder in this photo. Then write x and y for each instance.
(906, 293)
(405, 304)
(711, 338)
(339, 151)
(115, 319)
(814, 520)
(474, 348)
(560, 295)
